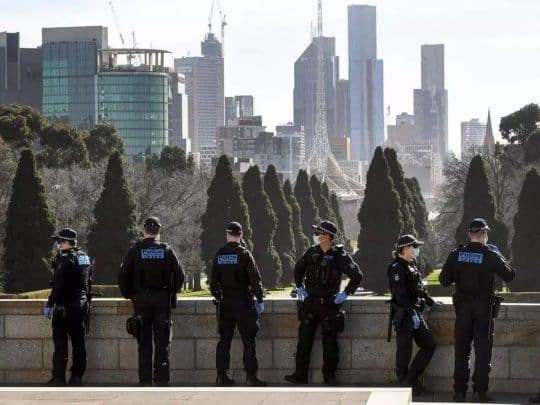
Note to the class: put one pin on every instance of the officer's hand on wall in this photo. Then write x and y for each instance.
(340, 298)
(301, 294)
(416, 321)
(47, 312)
(260, 308)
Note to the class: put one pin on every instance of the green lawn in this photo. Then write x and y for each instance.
(433, 278)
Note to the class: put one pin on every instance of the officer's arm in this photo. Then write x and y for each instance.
(503, 269)
(447, 275)
(398, 286)
(214, 279)
(255, 278)
(125, 276)
(351, 269)
(177, 271)
(300, 270)
(58, 283)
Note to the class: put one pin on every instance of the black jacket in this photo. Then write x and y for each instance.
(321, 272)
(473, 268)
(150, 265)
(71, 278)
(406, 286)
(235, 274)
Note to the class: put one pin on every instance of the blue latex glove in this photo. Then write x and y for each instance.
(340, 298)
(416, 321)
(259, 307)
(301, 294)
(47, 312)
(493, 248)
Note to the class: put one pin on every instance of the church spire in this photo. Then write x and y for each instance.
(489, 139)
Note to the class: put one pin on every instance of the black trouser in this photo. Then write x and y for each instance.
(312, 312)
(405, 333)
(69, 322)
(241, 312)
(474, 323)
(153, 307)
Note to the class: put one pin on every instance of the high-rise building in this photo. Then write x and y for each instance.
(178, 116)
(473, 134)
(245, 106)
(135, 99)
(366, 83)
(292, 144)
(69, 63)
(431, 101)
(205, 89)
(305, 87)
(403, 132)
(343, 108)
(20, 72)
(231, 113)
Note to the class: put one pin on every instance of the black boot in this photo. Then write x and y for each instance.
(253, 381)
(223, 379)
(482, 397)
(144, 383)
(459, 396)
(57, 382)
(296, 378)
(75, 381)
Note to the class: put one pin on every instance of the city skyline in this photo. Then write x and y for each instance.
(480, 73)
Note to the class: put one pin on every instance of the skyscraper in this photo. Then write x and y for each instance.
(20, 72)
(205, 89)
(305, 87)
(473, 134)
(366, 82)
(245, 106)
(431, 101)
(343, 109)
(69, 60)
(178, 108)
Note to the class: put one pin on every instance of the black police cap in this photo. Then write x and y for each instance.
(152, 222)
(65, 234)
(234, 228)
(478, 225)
(327, 227)
(408, 240)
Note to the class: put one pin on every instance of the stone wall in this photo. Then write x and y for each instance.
(366, 358)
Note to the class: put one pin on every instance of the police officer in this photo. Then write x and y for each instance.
(318, 280)
(473, 268)
(67, 305)
(409, 298)
(150, 276)
(234, 282)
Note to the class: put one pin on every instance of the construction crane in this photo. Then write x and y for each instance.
(117, 23)
(215, 3)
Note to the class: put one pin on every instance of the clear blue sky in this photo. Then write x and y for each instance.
(492, 46)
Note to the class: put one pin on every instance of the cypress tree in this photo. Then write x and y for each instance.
(225, 204)
(405, 197)
(283, 239)
(380, 224)
(321, 201)
(263, 223)
(308, 209)
(526, 242)
(114, 229)
(478, 202)
(421, 222)
(334, 204)
(301, 242)
(29, 226)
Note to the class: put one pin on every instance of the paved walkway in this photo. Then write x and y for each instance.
(205, 396)
(441, 398)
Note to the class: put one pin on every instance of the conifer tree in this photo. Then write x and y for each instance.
(308, 209)
(526, 241)
(301, 242)
(225, 204)
(263, 224)
(380, 224)
(29, 226)
(114, 229)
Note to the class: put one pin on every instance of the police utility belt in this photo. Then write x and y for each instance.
(496, 301)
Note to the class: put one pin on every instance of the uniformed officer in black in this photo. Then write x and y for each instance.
(473, 268)
(67, 305)
(409, 299)
(150, 276)
(235, 283)
(318, 280)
